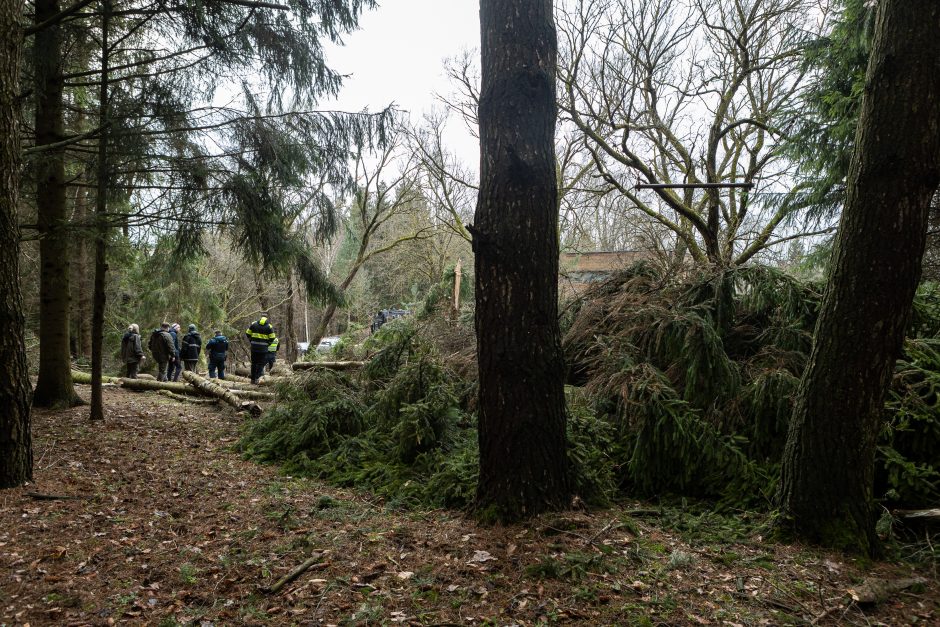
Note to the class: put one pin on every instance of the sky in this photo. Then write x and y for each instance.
(397, 56)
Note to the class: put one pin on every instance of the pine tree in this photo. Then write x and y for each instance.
(16, 454)
(828, 464)
(523, 457)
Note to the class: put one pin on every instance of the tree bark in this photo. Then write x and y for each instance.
(828, 465)
(54, 386)
(290, 335)
(523, 456)
(16, 451)
(101, 226)
(208, 387)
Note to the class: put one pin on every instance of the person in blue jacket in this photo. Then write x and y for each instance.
(217, 351)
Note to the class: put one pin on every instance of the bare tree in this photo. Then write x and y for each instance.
(689, 92)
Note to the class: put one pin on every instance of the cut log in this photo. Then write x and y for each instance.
(145, 385)
(188, 399)
(146, 377)
(253, 394)
(234, 385)
(234, 378)
(208, 387)
(331, 365)
(244, 372)
(85, 377)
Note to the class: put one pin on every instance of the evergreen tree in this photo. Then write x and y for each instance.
(16, 454)
(828, 463)
(523, 456)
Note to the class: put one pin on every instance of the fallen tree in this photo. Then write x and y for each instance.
(329, 365)
(252, 394)
(144, 385)
(188, 399)
(208, 387)
(85, 377)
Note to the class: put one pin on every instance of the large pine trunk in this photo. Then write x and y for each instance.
(523, 449)
(828, 465)
(54, 386)
(16, 453)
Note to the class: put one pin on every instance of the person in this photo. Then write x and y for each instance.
(161, 347)
(272, 354)
(131, 352)
(174, 367)
(216, 352)
(260, 334)
(192, 345)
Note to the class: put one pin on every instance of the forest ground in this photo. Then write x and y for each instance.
(170, 526)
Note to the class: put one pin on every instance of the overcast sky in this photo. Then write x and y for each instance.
(398, 55)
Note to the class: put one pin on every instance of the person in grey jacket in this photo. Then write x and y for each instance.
(131, 352)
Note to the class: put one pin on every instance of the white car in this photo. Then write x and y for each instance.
(327, 344)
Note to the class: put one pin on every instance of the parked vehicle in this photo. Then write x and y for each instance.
(327, 344)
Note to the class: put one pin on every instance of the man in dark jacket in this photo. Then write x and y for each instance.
(162, 349)
(192, 345)
(272, 355)
(260, 335)
(217, 351)
(131, 352)
(174, 367)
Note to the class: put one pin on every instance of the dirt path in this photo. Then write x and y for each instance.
(172, 527)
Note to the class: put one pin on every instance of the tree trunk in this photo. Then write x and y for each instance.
(827, 474)
(16, 451)
(81, 312)
(330, 309)
(101, 226)
(54, 387)
(523, 456)
(290, 336)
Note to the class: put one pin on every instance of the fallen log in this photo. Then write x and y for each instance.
(85, 377)
(331, 365)
(144, 385)
(253, 394)
(234, 378)
(234, 385)
(243, 371)
(188, 399)
(208, 387)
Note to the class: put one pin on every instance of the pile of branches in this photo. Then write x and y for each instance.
(696, 376)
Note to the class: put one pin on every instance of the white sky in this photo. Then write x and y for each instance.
(397, 55)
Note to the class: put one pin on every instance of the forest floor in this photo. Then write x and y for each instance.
(170, 526)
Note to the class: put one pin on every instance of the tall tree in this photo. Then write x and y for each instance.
(523, 448)
(827, 474)
(54, 385)
(16, 453)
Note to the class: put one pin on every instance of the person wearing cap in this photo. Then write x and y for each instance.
(131, 351)
(174, 367)
(192, 345)
(260, 335)
(216, 352)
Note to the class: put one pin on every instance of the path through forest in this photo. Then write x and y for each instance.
(168, 525)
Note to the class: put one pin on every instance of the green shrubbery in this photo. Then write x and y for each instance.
(682, 386)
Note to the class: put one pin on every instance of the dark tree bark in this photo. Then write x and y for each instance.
(826, 484)
(16, 452)
(523, 448)
(54, 387)
(101, 225)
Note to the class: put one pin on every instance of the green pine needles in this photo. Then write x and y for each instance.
(682, 386)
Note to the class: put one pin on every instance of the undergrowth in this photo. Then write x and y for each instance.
(680, 386)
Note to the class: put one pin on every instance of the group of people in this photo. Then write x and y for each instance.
(172, 353)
